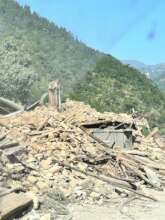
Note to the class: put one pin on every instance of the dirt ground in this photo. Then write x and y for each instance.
(138, 209)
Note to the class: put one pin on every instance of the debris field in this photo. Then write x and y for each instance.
(52, 158)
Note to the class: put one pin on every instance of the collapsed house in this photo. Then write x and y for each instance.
(77, 155)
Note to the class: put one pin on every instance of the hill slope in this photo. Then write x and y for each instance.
(111, 86)
(155, 72)
(34, 51)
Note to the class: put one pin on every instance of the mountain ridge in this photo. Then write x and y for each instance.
(155, 71)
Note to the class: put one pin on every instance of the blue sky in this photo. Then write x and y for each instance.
(127, 29)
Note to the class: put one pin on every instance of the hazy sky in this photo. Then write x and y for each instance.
(127, 29)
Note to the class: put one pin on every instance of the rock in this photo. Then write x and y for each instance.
(55, 169)
(32, 179)
(15, 184)
(46, 217)
(91, 149)
(34, 189)
(35, 173)
(45, 164)
(103, 188)
(80, 194)
(31, 160)
(43, 186)
(14, 168)
(66, 192)
(65, 172)
(82, 166)
(95, 195)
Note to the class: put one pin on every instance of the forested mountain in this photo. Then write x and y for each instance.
(154, 72)
(112, 86)
(34, 51)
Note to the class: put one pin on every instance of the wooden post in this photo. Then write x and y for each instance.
(54, 98)
(152, 133)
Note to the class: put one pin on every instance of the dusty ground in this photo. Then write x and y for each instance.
(135, 210)
(117, 209)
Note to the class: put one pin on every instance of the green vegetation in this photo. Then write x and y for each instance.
(112, 86)
(34, 51)
(160, 80)
(154, 72)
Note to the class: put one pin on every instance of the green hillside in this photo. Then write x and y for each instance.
(155, 72)
(160, 79)
(112, 86)
(34, 51)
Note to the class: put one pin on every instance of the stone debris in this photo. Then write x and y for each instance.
(64, 164)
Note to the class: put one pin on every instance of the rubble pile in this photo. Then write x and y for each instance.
(64, 163)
